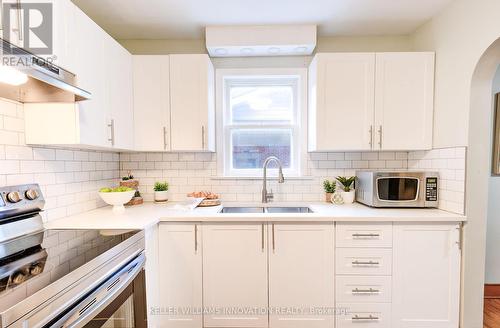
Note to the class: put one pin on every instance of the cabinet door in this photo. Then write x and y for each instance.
(341, 103)
(426, 275)
(235, 275)
(191, 103)
(301, 274)
(151, 103)
(64, 41)
(180, 279)
(91, 73)
(120, 94)
(404, 100)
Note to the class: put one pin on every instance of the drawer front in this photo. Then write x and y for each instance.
(363, 261)
(363, 235)
(363, 289)
(366, 315)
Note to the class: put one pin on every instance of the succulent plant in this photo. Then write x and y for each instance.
(330, 186)
(161, 186)
(346, 182)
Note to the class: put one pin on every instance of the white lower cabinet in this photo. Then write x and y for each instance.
(180, 276)
(301, 275)
(235, 284)
(426, 277)
(287, 274)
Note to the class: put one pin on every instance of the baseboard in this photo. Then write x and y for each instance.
(492, 291)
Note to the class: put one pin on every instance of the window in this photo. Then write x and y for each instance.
(260, 118)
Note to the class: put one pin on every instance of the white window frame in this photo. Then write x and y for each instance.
(297, 77)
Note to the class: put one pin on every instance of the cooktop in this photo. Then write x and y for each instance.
(36, 260)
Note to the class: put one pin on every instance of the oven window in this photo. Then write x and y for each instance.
(123, 317)
(397, 189)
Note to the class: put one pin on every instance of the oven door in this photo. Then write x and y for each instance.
(119, 302)
(398, 190)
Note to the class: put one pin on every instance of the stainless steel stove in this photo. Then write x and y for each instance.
(66, 278)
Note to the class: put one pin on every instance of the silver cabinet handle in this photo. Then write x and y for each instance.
(164, 137)
(365, 291)
(365, 262)
(203, 137)
(195, 237)
(380, 136)
(371, 136)
(111, 125)
(362, 235)
(19, 20)
(369, 317)
(274, 244)
(262, 237)
(1, 17)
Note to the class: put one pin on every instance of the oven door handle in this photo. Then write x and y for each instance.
(98, 300)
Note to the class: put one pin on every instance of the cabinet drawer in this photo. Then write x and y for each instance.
(363, 235)
(364, 261)
(366, 315)
(363, 289)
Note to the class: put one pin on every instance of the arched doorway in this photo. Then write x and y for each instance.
(478, 173)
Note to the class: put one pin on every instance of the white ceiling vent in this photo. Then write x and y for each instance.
(271, 40)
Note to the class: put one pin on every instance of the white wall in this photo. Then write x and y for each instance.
(459, 36)
(492, 274)
(324, 44)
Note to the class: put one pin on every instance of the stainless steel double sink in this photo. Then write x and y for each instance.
(270, 209)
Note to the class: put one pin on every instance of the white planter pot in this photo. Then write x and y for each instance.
(348, 196)
(161, 196)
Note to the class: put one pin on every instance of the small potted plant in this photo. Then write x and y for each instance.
(348, 191)
(329, 187)
(161, 192)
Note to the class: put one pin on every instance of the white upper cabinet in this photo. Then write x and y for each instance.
(367, 101)
(426, 276)
(91, 71)
(301, 274)
(120, 95)
(235, 274)
(404, 100)
(180, 274)
(151, 103)
(341, 101)
(192, 103)
(102, 67)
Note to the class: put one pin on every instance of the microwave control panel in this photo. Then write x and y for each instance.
(431, 189)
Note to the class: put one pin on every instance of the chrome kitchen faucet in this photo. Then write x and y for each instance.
(268, 196)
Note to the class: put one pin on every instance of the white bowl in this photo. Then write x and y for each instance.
(117, 199)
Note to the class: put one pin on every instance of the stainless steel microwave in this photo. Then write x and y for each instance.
(397, 188)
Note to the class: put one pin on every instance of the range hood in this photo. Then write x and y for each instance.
(46, 82)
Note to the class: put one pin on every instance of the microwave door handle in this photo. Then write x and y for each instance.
(86, 310)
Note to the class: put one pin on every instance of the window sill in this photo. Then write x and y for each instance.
(259, 178)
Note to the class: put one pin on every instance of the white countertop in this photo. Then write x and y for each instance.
(147, 214)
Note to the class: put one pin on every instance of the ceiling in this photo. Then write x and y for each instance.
(185, 19)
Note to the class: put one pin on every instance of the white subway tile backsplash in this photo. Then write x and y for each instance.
(450, 163)
(9, 137)
(18, 152)
(13, 124)
(44, 154)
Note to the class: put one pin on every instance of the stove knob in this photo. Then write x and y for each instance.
(18, 278)
(32, 194)
(13, 197)
(36, 269)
